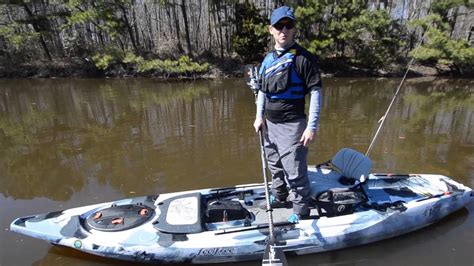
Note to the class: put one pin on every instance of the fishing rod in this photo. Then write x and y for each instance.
(382, 119)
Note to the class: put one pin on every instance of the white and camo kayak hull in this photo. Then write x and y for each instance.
(193, 240)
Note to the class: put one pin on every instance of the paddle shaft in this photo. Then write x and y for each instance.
(267, 191)
(273, 254)
(255, 227)
(255, 80)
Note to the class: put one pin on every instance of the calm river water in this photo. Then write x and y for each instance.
(68, 143)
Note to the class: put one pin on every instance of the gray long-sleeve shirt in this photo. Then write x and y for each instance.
(314, 107)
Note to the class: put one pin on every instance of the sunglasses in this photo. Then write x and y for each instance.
(288, 25)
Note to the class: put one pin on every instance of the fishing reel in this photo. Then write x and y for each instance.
(254, 81)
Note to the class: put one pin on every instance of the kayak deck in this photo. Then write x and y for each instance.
(381, 191)
(228, 224)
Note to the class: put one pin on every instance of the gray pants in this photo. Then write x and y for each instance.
(287, 161)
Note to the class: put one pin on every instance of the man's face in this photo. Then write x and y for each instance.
(283, 32)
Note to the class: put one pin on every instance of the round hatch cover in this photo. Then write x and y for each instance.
(118, 218)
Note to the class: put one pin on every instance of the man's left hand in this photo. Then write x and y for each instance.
(307, 137)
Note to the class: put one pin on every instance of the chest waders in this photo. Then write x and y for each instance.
(284, 108)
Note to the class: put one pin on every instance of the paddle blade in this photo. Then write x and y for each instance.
(274, 256)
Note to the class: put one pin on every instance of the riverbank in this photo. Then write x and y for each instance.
(219, 69)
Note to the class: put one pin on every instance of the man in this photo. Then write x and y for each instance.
(289, 72)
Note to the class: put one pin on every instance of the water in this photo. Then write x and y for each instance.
(68, 143)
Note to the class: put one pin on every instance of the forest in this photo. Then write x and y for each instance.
(211, 38)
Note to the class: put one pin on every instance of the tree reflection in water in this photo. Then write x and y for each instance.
(146, 136)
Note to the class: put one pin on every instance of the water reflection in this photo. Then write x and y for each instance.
(430, 128)
(132, 133)
(126, 130)
(84, 141)
(63, 132)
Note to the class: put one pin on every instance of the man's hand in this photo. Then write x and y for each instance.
(258, 124)
(307, 137)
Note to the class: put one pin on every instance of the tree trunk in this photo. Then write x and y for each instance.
(198, 28)
(178, 30)
(36, 27)
(209, 12)
(186, 27)
(129, 27)
(227, 31)
(150, 41)
(135, 24)
(452, 21)
(219, 25)
(167, 11)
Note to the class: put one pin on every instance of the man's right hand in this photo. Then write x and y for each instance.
(258, 124)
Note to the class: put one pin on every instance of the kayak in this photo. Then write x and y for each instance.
(349, 206)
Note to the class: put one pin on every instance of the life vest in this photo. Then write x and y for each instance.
(280, 80)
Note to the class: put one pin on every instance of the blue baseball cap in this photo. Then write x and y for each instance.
(280, 13)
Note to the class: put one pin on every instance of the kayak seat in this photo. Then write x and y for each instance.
(342, 171)
(322, 179)
(333, 185)
(352, 165)
(181, 214)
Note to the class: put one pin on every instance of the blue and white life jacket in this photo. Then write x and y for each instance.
(280, 80)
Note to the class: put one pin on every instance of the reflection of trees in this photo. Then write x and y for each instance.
(55, 135)
(430, 128)
(146, 136)
(431, 124)
(350, 112)
(440, 113)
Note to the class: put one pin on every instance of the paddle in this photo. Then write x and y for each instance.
(273, 254)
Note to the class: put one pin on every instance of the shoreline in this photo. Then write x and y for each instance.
(85, 69)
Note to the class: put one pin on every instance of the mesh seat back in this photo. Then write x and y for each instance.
(352, 164)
